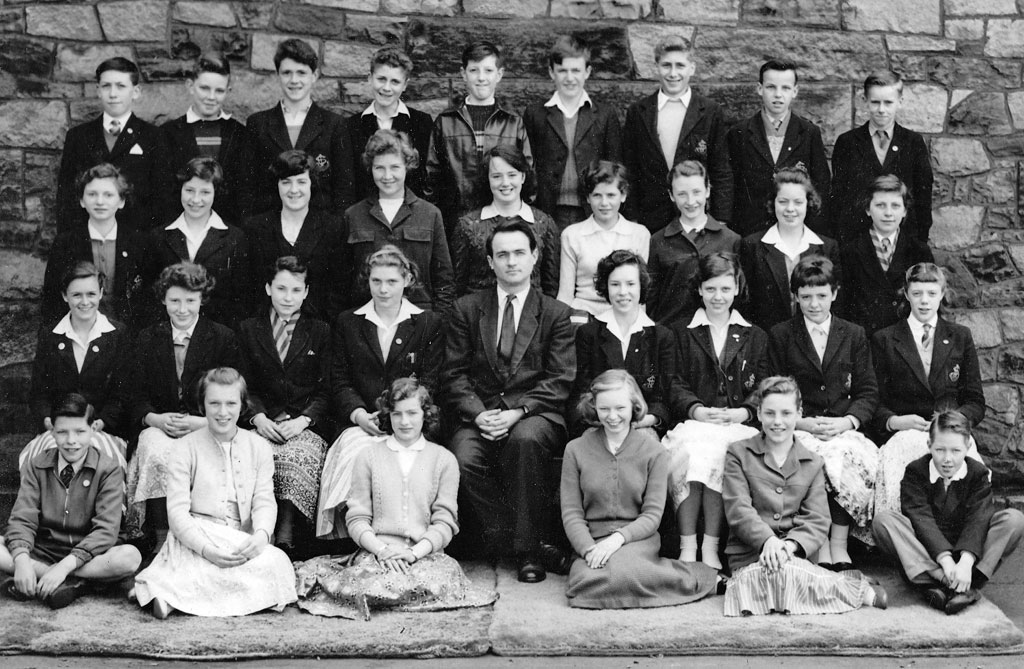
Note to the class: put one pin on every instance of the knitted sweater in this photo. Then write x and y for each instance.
(404, 509)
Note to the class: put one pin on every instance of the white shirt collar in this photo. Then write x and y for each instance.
(100, 327)
(888, 129)
(215, 221)
(62, 463)
(372, 111)
(685, 98)
(405, 312)
(526, 213)
(589, 226)
(121, 120)
(608, 318)
(773, 238)
(502, 294)
(700, 317)
(178, 335)
(934, 475)
(556, 101)
(826, 326)
(192, 117)
(393, 444)
(917, 327)
(891, 236)
(94, 234)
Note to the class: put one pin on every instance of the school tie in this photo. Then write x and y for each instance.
(926, 336)
(884, 257)
(507, 338)
(882, 146)
(66, 475)
(180, 351)
(113, 130)
(283, 337)
(820, 340)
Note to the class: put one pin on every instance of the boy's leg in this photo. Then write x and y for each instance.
(895, 536)
(1004, 534)
(7, 562)
(115, 564)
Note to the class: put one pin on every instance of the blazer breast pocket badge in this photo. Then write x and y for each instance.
(649, 382)
(702, 148)
(849, 381)
(954, 375)
(749, 383)
(136, 150)
(411, 358)
(322, 163)
(310, 352)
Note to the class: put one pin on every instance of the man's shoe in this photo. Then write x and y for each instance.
(555, 560)
(9, 590)
(531, 570)
(960, 601)
(936, 598)
(71, 589)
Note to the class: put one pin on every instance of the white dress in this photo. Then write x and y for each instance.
(697, 454)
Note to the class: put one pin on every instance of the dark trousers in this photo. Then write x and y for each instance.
(506, 488)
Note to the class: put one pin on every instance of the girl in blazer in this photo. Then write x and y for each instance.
(624, 337)
(722, 358)
(288, 358)
(385, 339)
(768, 257)
(170, 358)
(831, 362)
(919, 376)
(200, 235)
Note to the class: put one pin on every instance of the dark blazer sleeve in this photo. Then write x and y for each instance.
(432, 350)
(343, 383)
(922, 189)
(719, 170)
(880, 357)
(441, 271)
(343, 190)
(559, 364)
(632, 130)
(667, 360)
(459, 359)
(612, 149)
(585, 346)
(864, 389)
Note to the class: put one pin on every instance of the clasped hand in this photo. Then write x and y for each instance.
(249, 549)
(825, 427)
(598, 554)
(396, 559)
(279, 432)
(175, 425)
(720, 416)
(494, 424)
(957, 575)
(774, 554)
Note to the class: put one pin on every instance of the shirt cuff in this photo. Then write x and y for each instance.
(855, 421)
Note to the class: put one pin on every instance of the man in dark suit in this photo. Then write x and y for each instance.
(510, 362)
(299, 123)
(121, 138)
(567, 133)
(206, 130)
(667, 127)
(880, 146)
(390, 70)
(770, 140)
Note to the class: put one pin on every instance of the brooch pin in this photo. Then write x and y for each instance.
(750, 382)
(60, 346)
(398, 340)
(322, 162)
(736, 336)
(650, 381)
(945, 341)
(124, 254)
(702, 147)
(849, 381)
(85, 483)
(310, 352)
(799, 164)
(895, 148)
(954, 376)
(95, 349)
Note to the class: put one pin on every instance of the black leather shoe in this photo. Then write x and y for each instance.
(721, 585)
(826, 565)
(842, 566)
(960, 601)
(531, 570)
(71, 589)
(936, 598)
(555, 560)
(10, 591)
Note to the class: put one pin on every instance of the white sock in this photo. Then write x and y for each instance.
(824, 555)
(837, 542)
(709, 552)
(688, 548)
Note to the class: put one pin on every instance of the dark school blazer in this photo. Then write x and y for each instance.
(543, 364)
(769, 299)
(359, 371)
(323, 137)
(650, 360)
(855, 166)
(753, 169)
(300, 386)
(140, 152)
(598, 137)
(702, 138)
(843, 384)
(417, 125)
(700, 378)
(954, 381)
(870, 296)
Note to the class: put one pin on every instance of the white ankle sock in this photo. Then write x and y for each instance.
(688, 548)
(709, 552)
(837, 543)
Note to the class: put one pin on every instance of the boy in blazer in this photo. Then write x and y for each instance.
(667, 127)
(119, 137)
(509, 365)
(299, 123)
(773, 138)
(949, 538)
(390, 71)
(207, 130)
(568, 132)
(880, 146)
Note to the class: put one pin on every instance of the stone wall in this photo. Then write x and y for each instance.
(961, 58)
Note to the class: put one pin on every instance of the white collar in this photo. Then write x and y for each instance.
(775, 123)
(215, 221)
(405, 312)
(393, 444)
(177, 335)
(100, 327)
(826, 326)
(589, 226)
(192, 117)
(503, 294)
(556, 101)
(700, 317)
(891, 236)
(372, 111)
(525, 213)
(608, 318)
(75, 467)
(772, 236)
(95, 235)
(121, 120)
(684, 98)
(934, 475)
(888, 129)
(917, 327)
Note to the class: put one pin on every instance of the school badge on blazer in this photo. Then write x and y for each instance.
(849, 381)
(702, 148)
(321, 162)
(749, 383)
(954, 375)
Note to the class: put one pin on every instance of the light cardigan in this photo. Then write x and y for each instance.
(603, 493)
(404, 510)
(197, 485)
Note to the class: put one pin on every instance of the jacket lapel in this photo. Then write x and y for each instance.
(903, 342)
(310, 128)
(836, 334)
(309, 235)
(554, 117)
(758, 139)
(528, 324)
(584, 121)
(265, 338)
(489, 330)
(198, 346)
(611, 348)
(369, 332)
(299, 344)
(794, 137)
(941, 348)
(649, 117)
(735, 340)
(125, 139)
(403, 335)
(213, 242)
(802, 338)
(278, 130)
(176, 240)
(702, 335)
(777, 264)
(693, 115)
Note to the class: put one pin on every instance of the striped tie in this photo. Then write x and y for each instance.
(283, 336)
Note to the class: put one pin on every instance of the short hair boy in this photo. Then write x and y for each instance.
(880, 146)
(119, 137)
(466, 131)
(63, 530)
(772, 139)
(949, 538)
(569, 132)
(667, 127)
(390, 72)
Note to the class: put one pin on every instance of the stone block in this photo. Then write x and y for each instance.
(38, 124)
(1003, 402)
(981, 114)
(984, 326)
(626, 9)
(919, 43)
(956, 226)
(84, 110)
(811, 13)
(74, 22)
(969, 30)
(40, 192)
(519, 8)
(1005, 38)
(959, 71)
(1006, 147)
(343, 59)
(980, 7)
(435, 7)
(217, 14)
(26, 58)
(1015, 101)
(909, 16)
(1005, 294)
(309, 20)
(735, 55)
(77, 62)
(134, 20)
(1012, 321)
(959, 157)
(379, 30)
(21, 278)
(576, 9)
(12, 20)
(157, 63)
(1011, 363)
(702, 12)
(998, 187)
(188, 43)
(990, 263)
(264, 45)
(164, 100)
(254, 15)
(357, 5)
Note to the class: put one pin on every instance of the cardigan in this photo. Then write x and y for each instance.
(763, 500)
(85, 517)
(404, 509)
(196, 485)
(583, 246)
(944, 520)
(603, 493)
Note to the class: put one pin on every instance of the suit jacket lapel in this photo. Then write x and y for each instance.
(309, 235)
(865, 248)
(278, 129)
(265, 338)
(369, 332)
(198, 345)
(299, 343)
(777, 264)
(67, 354)
(735, 340)
(941, 348)
(611, 348)
(555, 120)
(528, 324)
(403, 334)
(802, 338)
(649, 117)
(211, 244)
(758, 139)
(702, 335)
(836, 334)
(903, 342)
(794, 136)
(693, 115)
(310, 128)
(489, 330)
(584, 120)
(176, 240)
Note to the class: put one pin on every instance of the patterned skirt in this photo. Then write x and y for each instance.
(297, 466)
(353, 585)
(192, 584)
(799, 588)
(851, 467)
(336, 481)
(697, 454)
(147, 472)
